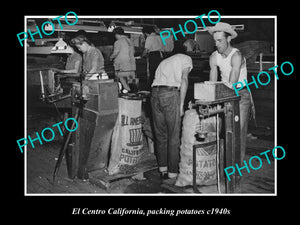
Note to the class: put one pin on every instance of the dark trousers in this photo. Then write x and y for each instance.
(165, 103)
(154, 61)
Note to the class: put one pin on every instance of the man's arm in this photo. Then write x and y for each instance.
(145, 53)
(75, 70)
(183, 88)
(236, 64)
(213, 74)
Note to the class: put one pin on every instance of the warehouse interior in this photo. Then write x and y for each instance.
(45, 107)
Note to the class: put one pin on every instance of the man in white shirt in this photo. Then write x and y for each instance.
(233, 69)
(153, 48)
(167, 100)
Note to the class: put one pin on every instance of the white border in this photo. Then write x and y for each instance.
(144, 194)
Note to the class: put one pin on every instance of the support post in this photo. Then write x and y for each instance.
(232, 137)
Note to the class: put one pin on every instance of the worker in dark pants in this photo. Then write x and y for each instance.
(153, 48)
(167, 100)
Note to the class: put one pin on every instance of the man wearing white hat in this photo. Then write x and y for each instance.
(233, 69)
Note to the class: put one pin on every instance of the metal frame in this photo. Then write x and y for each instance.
(231, 153)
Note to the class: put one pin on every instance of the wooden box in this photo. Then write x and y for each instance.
(90, 145)
(210, 91)
(102, 96)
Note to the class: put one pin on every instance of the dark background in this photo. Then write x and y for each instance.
(250, 209)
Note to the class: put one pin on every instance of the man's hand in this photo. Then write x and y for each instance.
(228, 84)
(56, 70)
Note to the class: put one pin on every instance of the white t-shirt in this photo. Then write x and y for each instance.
(169, 71)
(153, 43)
(225, 66)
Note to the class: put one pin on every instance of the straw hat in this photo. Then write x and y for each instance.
(226, 27)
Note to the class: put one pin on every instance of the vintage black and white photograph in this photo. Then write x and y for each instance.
(150, 105)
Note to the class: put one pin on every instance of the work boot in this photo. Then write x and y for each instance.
(164, 176)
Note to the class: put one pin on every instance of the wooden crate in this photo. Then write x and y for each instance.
(90, 145)
(211, 91)
(102, 96)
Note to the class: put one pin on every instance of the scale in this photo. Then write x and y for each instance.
(214, 99)
(220, 99)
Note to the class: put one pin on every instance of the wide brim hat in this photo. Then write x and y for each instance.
(226, 27)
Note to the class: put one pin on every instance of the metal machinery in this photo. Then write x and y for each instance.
(214, 99)
(48, 95)
(95, 108)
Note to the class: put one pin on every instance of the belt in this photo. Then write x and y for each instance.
(155, 52)
(165, 87)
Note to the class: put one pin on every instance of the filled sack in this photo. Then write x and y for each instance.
(127, 139)
(205, 150)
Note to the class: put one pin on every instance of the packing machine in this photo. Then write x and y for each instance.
(214, 99)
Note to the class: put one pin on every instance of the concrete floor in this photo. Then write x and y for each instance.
(41, 161)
